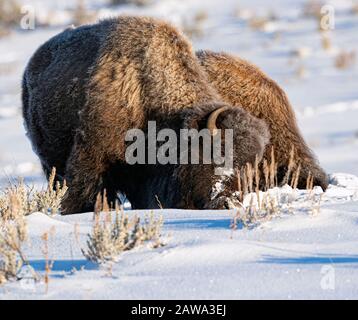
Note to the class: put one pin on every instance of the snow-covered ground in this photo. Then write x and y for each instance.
(294, 256)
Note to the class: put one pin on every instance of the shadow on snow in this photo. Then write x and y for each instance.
(64, 265)
(199, 224)
(320, 259)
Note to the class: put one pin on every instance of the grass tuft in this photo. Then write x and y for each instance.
(19, 200)
(82, 15)
(109, 238)
(345, 60)
(258, 206)
(12, 236)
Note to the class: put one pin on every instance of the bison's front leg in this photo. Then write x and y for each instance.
(84, 176)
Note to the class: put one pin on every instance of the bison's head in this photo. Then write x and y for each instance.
(213, 185)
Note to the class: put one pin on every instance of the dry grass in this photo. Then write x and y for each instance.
(345, 60)
(4, 31)
(262, 22)
(258, 206)
(110, 238)
(10, 15)
(326, 41)
(312, 8)
(259, 23)
(355, 7)
(12, 236)
(301, 72)
(48, 263)
(19, 200)
(16, 202)
(82, 15)
(243, 13)
(193, 27)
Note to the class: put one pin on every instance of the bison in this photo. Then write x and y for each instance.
(85, 88)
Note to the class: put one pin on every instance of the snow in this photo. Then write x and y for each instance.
(285, 258)
(293, 256)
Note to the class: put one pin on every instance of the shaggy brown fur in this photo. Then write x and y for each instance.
(86, 87)
(243, 84)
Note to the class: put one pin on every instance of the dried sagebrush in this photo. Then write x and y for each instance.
(10, 13)
(345, 60)
(82, 15)
(110, 238)
(12, 236)
(18, 199)
(49, 200)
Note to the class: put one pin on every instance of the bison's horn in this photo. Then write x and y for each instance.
(211, 124)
